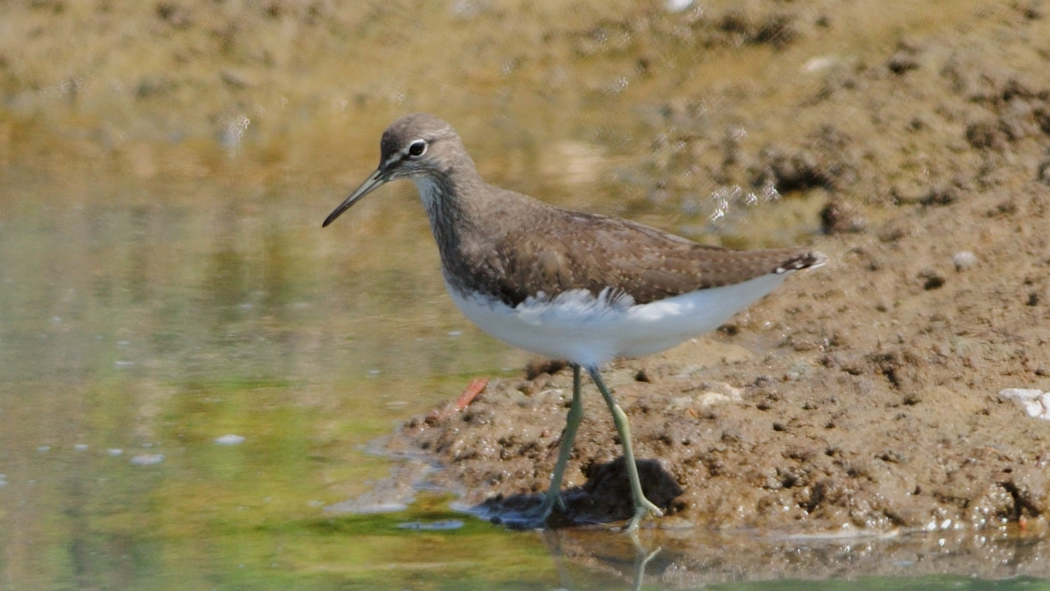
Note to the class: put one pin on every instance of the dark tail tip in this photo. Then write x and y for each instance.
(807, 260)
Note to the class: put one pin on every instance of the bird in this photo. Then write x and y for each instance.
(569, 285)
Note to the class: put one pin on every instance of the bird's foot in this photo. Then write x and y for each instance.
(643, 508)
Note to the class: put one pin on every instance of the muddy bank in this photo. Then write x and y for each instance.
(864, 395)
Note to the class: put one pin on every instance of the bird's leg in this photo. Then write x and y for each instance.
(572, 423)
(643, 507)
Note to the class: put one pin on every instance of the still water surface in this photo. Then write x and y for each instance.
(143, 322)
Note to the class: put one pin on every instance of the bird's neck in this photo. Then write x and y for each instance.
(451, 203)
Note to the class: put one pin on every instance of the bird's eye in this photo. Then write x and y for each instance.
(417, 148)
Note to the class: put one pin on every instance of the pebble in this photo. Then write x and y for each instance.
(964, 260)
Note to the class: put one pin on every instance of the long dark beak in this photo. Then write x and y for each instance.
(374, 181)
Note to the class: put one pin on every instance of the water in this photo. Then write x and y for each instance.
(143, 324)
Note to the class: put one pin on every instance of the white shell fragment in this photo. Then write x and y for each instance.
(1035, 402)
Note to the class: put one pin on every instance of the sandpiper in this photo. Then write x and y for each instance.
(568, 285)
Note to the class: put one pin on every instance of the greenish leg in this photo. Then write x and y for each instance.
(572, 423)
(643, 507)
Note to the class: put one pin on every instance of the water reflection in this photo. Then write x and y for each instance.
(614, 555)
(690, 559)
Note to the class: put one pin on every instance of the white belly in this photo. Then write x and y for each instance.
(589, 331)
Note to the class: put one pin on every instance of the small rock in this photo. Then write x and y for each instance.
(673, 6)
(964, 260)
(1035, 402)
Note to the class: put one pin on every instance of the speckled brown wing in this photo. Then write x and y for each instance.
(565, 251)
